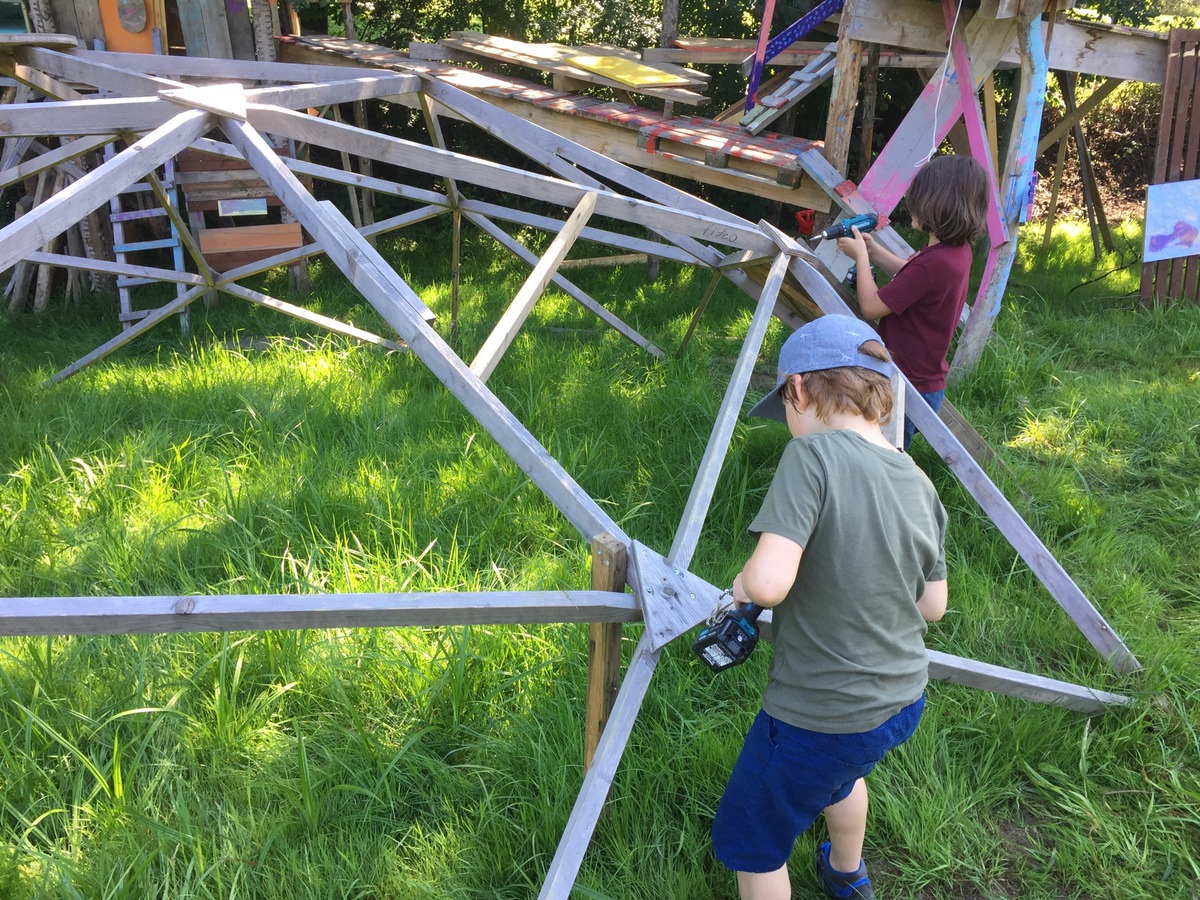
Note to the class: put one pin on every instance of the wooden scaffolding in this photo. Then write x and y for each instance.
(227, 107)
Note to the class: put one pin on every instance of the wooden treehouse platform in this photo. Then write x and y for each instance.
(778, 167)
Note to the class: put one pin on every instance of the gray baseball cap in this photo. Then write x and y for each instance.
(828, 342)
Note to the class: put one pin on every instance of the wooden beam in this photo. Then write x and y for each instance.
(70, 68)
(1014, 683)
(597, 781)
(403, 310)
(52, 158)
(303, 96)
(88, 264)
(192, 67)
(432, 161)
(506, 329)
(609, 561)
(844, 100)
(169, 309)
(169, 615)
(85, 116)
(1021, 155)
(567, 287)
(28, 234)
(1071, 118)
(1087, 50)
(695, 512)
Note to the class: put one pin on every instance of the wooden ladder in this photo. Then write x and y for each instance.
(127, 246)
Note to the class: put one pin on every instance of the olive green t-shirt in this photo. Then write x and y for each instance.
(849, 640)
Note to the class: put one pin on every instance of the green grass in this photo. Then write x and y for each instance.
(260, 457)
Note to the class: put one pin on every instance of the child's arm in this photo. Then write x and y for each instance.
(858, 249)
(770, 571)
(932, 604)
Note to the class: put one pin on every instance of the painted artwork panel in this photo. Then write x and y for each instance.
(1172, 221)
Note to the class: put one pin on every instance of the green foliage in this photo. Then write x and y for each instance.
(261, 457)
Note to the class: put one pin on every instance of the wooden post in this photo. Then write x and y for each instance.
(1018, 170)
(870, 96)
(1091, 195)
(610, 559)
(989, 116)
(840, 127)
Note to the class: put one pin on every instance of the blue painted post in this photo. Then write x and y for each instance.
(1018, 174)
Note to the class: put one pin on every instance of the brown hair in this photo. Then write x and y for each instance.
(849, 389)
(950, 198)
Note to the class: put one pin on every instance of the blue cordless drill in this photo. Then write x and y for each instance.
(864, 223)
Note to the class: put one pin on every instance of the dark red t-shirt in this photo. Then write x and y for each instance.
(926, 298)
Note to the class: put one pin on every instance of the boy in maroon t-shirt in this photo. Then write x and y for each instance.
(919, 308)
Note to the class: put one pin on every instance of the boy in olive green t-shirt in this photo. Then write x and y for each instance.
(851, 555)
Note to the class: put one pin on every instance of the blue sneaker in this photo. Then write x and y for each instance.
(844, 885)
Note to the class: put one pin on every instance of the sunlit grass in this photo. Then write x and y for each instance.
(260, 457)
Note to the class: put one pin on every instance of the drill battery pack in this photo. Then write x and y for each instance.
(730, 640)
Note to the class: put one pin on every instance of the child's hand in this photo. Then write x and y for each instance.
(858, 247)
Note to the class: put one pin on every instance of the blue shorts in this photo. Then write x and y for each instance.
(785, 776)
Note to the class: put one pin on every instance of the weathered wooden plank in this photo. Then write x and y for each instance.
(1068, 122)
(844, 100)
(205, 29)
(165, 615)
(704, 485)
(27, 76)
(88, 264)
(55, 118)
(51, 158)
(553, 58)
(402, 309)
(70, 68)
(34, 229)
(1013, 683)
(241, 33)
(564, 285)
(190, 67)
(302, 96)
(518, 311)
(573, 844)
(430, 160)
(10, 42)
(169, 309)
(1077, 47)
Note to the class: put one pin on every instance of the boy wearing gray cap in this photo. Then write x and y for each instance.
(851, 555)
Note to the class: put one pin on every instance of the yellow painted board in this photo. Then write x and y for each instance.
(627, 71)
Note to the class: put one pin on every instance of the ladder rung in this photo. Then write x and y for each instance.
(146, 245)
(138, 214)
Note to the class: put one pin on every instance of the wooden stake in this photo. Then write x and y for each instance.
(610, 560)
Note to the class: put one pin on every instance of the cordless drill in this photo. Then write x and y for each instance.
(864, 223)
(730, 639)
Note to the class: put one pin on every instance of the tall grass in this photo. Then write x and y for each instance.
(259, 457)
